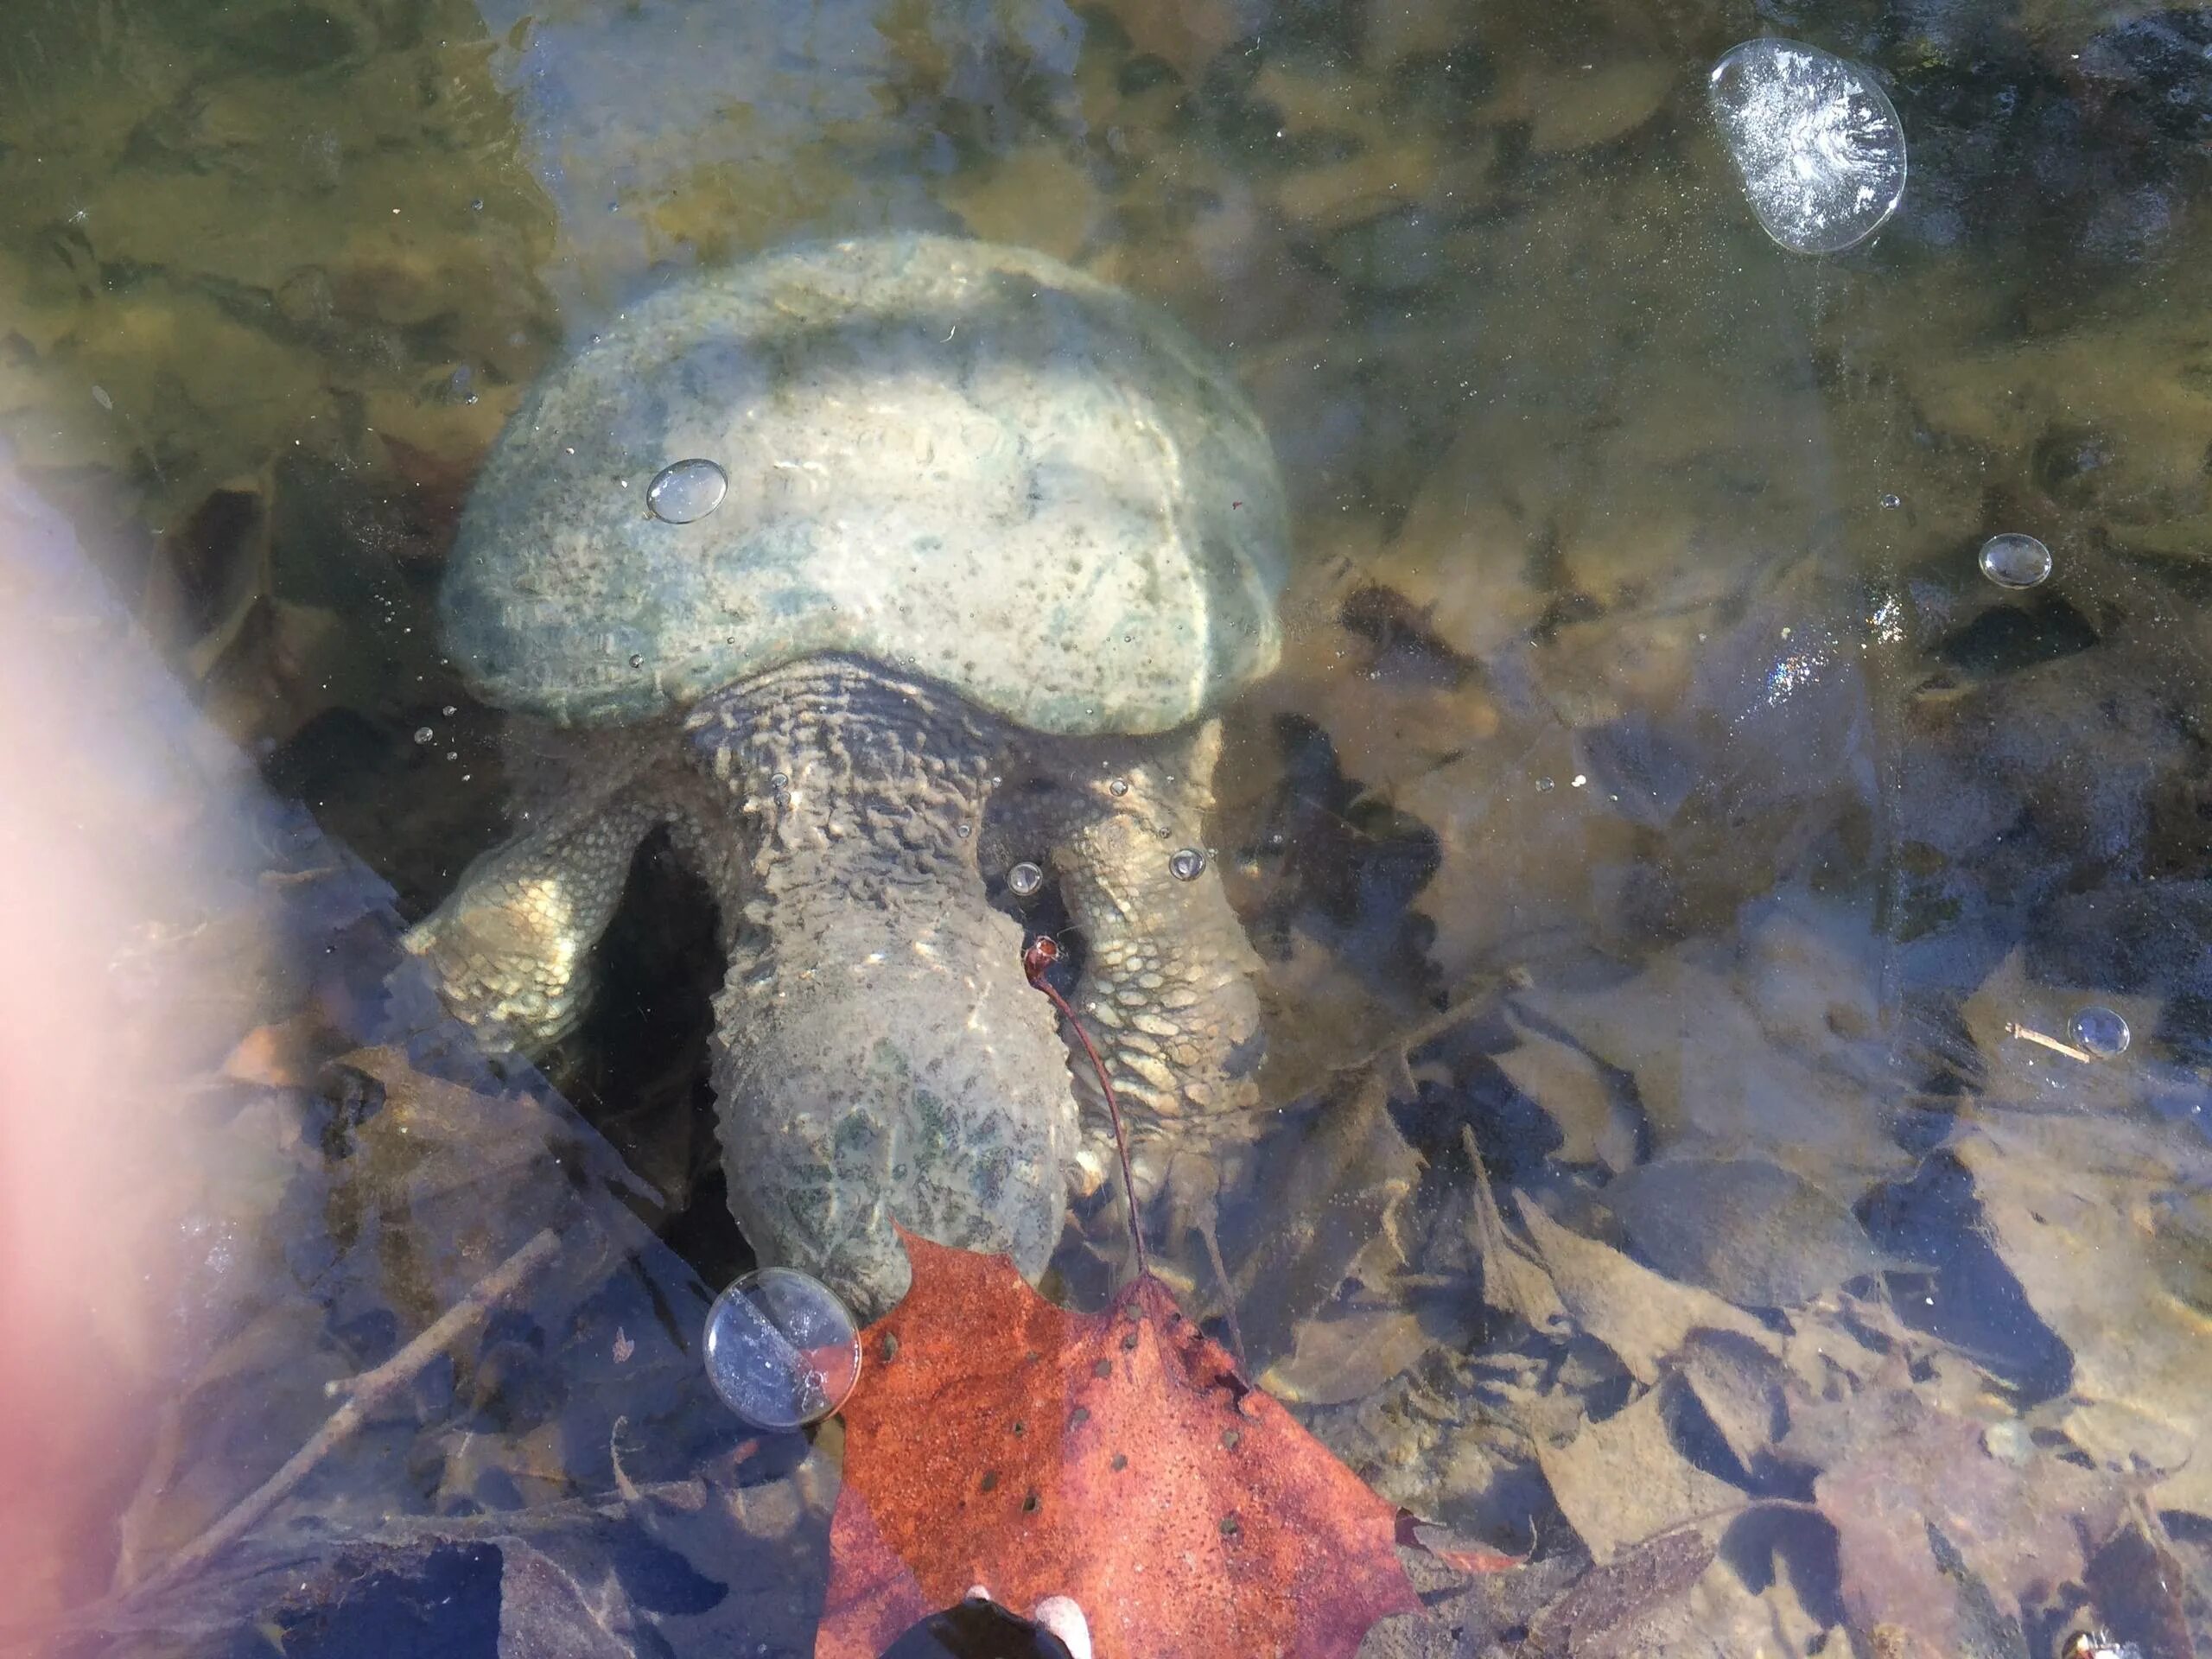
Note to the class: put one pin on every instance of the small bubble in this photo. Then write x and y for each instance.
(966, 830)
(1892, 499)
(1543, 784)
(452, 755)
(781, 1350)
(1024, 880)
(450, 711)
(423, 734)
(1118, 786)
(637, 660)
(1186, 864)
(686, 489)
(476, 206)
(779, 779)
(2101, 1032)
(2015, 561)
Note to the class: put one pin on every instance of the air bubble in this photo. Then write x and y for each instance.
(423, 734)
(2100, 1032)
(687, 490)
(782, 1350)
(965, 830)
(1118, 786)
(449, 711)
(2015, 561)
(779, 780)
(1819, 146)
(1186, 864)
(1024, 880)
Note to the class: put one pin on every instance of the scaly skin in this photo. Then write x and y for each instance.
(1166, 989)
(511, 949)
(880, 1056)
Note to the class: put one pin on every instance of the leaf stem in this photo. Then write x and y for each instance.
(1035, 960)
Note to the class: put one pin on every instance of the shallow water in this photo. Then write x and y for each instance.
(1700, 887)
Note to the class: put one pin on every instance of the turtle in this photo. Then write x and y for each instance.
(873, 570)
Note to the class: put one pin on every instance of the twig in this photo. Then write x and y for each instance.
(2028, 1034)
(370, 1390)
(1227, 1292)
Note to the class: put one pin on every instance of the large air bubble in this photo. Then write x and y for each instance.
(1819, 149)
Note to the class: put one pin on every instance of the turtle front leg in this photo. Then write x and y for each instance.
(1167, 989)
(510, 949)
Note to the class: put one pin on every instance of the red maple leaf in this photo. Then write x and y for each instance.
(1115, 1457)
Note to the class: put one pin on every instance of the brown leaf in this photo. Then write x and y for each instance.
(1461, 1554)
(1609, 1596)
(2136, 1584)
(1941, 1539)
(2102, 1221)
(1512, 1282)
(1623, 1480)
(547, 1611)
(1115, 1457)
(1187, 34)
(284, 1055)
(1642, 1316)
(1742, 1227)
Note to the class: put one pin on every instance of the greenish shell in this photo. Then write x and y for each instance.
(960, 461)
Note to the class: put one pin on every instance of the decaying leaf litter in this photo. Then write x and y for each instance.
(1711, 826)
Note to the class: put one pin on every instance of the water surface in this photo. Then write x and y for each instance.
(1700, 896)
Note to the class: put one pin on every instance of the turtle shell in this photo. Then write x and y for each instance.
(957, 460)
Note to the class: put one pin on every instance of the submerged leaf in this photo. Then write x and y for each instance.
(1623, 1480)
(1742, 1227)
(1113, 1458)
(1641, 1315)
(545, 1610)
(2100, 1218)
(1625, 1588)
(1939, 1538)
(2138, 1587)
